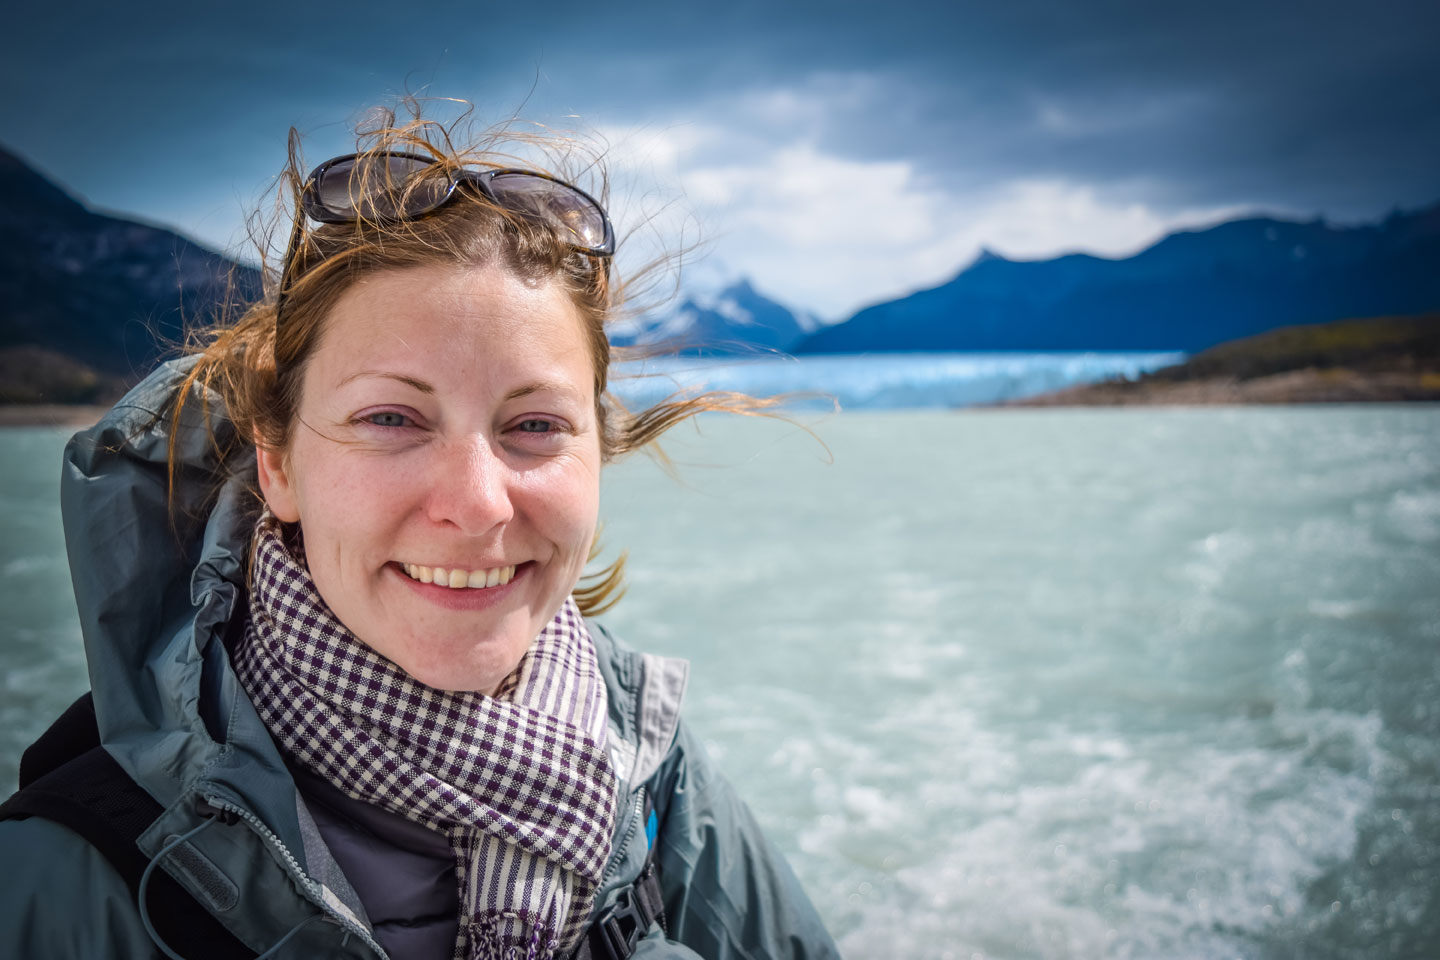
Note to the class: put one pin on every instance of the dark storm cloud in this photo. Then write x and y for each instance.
(1318, 106)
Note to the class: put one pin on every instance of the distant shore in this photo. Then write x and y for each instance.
(1293, 386)
(50, 415)
(1379, 360)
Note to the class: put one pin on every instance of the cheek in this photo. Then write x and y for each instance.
(565, 506)
(348, 501)
(581, 513)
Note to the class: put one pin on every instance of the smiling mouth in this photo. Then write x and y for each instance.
(457, 579)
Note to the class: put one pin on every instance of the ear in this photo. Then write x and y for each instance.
(275, 484)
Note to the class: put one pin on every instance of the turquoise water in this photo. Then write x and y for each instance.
(1020, 683)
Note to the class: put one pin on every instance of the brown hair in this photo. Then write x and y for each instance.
(257, 371)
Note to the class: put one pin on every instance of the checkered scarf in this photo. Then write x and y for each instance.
(519, 782)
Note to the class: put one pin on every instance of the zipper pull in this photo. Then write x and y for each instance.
(208, 810)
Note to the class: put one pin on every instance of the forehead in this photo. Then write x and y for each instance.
(471, 326)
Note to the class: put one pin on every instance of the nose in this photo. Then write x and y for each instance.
(470, 488)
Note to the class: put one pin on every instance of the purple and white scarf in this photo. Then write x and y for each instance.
(519, 782)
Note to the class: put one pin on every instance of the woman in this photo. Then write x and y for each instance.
(367, 702)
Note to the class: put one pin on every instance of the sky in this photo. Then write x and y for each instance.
(836, 153)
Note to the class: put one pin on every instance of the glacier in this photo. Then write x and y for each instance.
(882, 381)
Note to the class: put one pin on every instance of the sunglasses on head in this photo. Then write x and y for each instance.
(397, 186)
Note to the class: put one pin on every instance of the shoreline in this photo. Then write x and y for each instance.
(1308, 386)
(51, 414)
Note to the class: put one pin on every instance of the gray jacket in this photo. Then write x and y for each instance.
(160, 587)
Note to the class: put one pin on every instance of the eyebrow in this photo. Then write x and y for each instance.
(539, 386)
(542, 386)
(420, 385)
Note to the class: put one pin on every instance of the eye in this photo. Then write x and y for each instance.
(536, 425)
(386, 418)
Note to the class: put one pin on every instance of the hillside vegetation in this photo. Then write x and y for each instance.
(1349, 361)
(36, 375)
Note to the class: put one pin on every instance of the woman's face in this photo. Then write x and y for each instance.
(446, 427)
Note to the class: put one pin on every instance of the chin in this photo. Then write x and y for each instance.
(469, 657)
(455, 681)
(455, 676)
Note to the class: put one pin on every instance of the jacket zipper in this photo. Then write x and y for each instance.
(296, 872)
(636, 813)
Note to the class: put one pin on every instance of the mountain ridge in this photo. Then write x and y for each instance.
(1189, 290)
(115, 294)
(112, 293)
(729, 319)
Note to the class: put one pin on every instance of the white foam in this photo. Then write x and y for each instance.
(1415, 514)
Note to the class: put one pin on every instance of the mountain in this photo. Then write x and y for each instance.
(113, 294)
(733, 319)
(1187, 292)
(109, 293)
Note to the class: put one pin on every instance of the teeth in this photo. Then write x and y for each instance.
(460, 579)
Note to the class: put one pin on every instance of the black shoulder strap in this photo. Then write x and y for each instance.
(68, 737)
(615, 933)
(68, 778)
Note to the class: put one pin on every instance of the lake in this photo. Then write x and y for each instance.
(1016, 683)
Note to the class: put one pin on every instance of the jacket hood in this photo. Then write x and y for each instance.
(156, 585)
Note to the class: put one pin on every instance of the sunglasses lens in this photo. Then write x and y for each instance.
(574, 215)
(382, 188)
